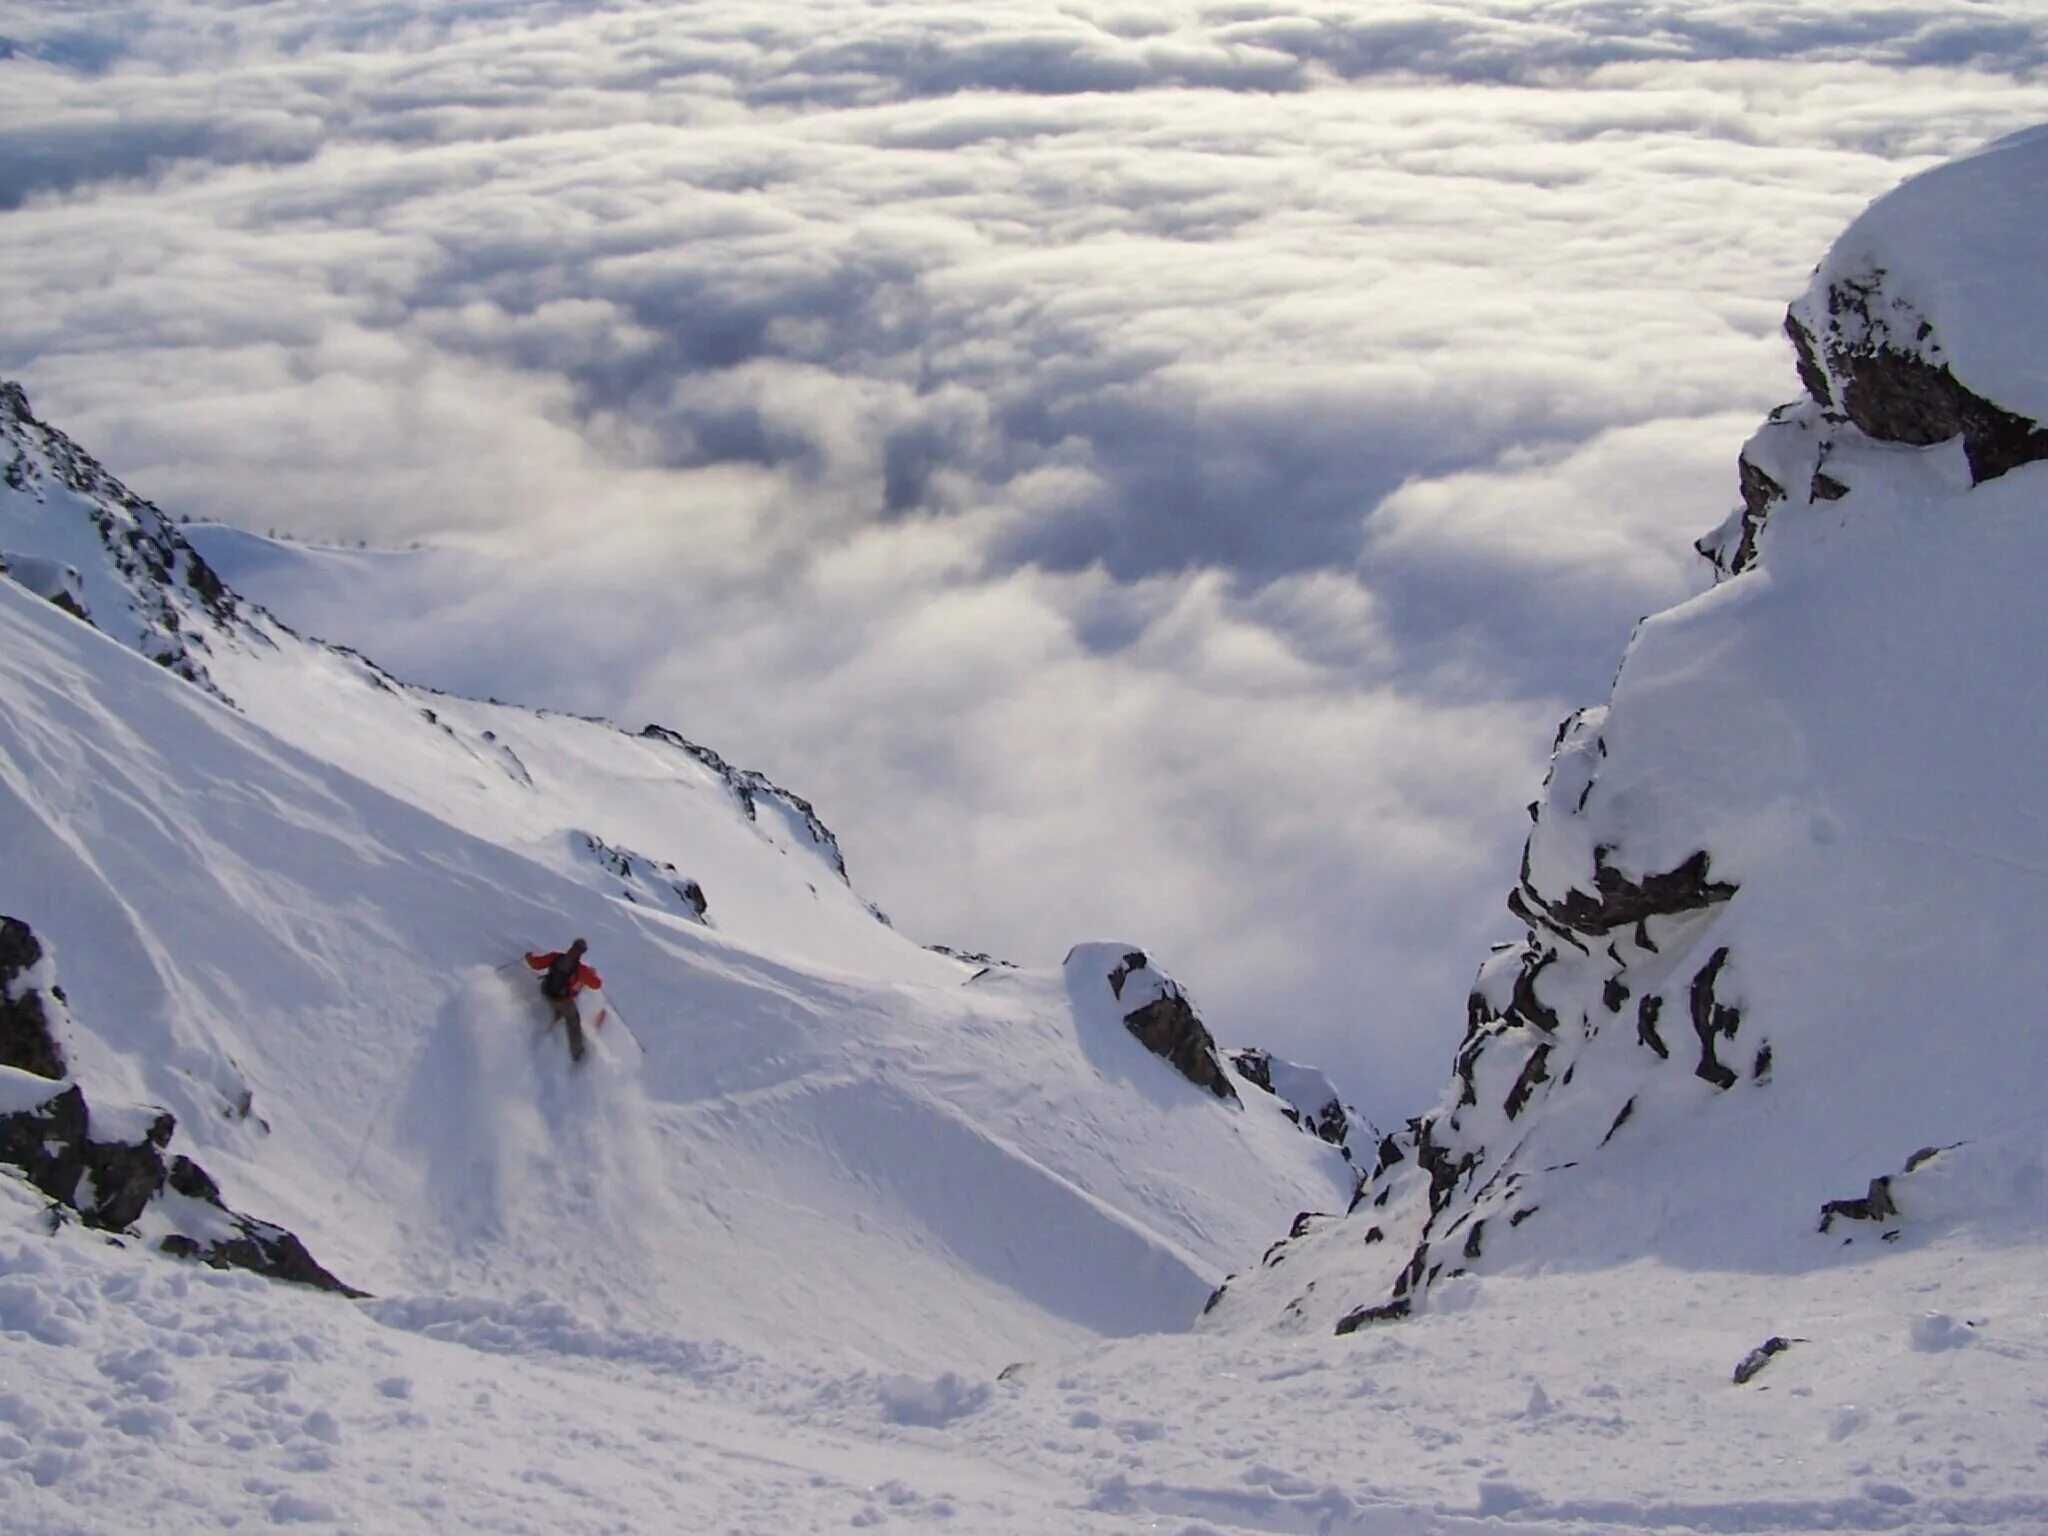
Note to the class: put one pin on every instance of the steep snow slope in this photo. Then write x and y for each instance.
(648, 816)
(1782, 984)
(799, 1125)
(794, 1147)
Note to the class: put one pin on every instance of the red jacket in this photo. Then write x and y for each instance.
(585, 977)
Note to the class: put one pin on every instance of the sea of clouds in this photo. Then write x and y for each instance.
(1149, 469)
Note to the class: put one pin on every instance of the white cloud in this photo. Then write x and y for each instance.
(1144, 468)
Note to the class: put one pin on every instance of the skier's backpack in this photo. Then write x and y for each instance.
(560, 974)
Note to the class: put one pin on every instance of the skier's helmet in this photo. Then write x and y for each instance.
(579, 946)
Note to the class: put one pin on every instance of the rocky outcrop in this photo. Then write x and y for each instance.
(1880, 1202)
(1595, 972)
(28, 1037)
(1879, 364)
(1151, 1007)
(110, 1168)
(50, 580)
(652, 882)
(170, 595)
(1167, 1026)
(751, 789)
(1306, 1097)
(1752, 1364)
(1757, 835)
(1868, 355)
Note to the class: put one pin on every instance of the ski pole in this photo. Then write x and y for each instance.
(631, 1033)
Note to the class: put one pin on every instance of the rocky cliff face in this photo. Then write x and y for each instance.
(1741, 1021)
(110, 1166)
(106, 554)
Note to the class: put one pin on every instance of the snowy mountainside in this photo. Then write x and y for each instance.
(1780, 990)
(290, 910)
(645, 816)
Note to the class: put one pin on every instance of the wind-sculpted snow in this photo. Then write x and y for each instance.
(1777, 989)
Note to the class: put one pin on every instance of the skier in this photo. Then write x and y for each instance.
(564, 975)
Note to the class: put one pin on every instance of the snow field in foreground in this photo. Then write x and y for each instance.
(144, 1396)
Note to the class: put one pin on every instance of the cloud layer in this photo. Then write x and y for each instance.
(1149, 470)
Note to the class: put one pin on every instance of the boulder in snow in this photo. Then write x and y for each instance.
(1153, 1008)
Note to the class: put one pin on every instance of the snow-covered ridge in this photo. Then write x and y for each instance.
(610, 808)
(1779, 985)
(73, 533)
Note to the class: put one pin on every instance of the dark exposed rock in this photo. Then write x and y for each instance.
(1761, 1356)
(1474, 1239)
(47, 1143)
(1256, 1067)
(1878, 1202)
(1713, 1021)
(1926, 1155)
(1527, 1007)
(1876, 1205)
(1389, 1312)
(109, 1184)
(1622, 902)
(1760, 493)
(192, 1181)
(1620, 1120)
(749, 788)
(1328, 1121)
(987, 962)
(1535, 1071)
(657, 881)
(1134, 961)
(27, 1041)
(1646, 1026)
(1904, 396)
(150, 557)
(261, 1249)
(1167, 1027)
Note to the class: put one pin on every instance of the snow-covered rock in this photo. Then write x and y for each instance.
(1919, 328)
(1783, 890)
(1306, 1095)
(31, 1036)
(76, 535)
(108, 1165)
(1152, 1007)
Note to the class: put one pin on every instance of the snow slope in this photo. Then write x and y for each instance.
(799, 1126)
(1767, 1069)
